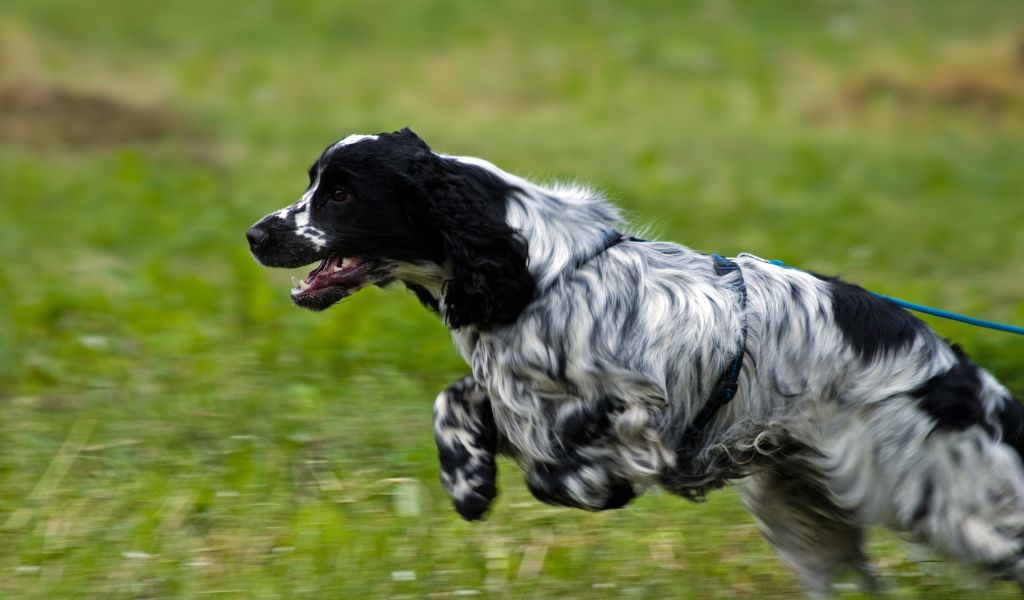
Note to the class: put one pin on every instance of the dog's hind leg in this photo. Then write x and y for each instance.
(813, 536)
(967, 499)
(467, 442)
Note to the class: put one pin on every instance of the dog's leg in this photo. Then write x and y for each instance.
(585, 467)
(812, 535)
(467, 442)
(957, 484)
(588, 472)
(967, 499)
(579, 482)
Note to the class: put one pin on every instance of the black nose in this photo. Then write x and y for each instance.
(256, 236)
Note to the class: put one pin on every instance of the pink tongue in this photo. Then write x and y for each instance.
(324, 277)
(317, 270)
(321, 277)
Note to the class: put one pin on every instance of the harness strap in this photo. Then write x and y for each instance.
(727, 384)
(612, 238)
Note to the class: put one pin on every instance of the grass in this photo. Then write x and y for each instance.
(170, 426)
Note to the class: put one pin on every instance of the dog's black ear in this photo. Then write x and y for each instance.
(490, 284)
(408, 137)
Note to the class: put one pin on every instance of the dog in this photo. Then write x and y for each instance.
(604, 364)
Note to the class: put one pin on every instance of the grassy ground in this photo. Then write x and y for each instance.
(171, 427)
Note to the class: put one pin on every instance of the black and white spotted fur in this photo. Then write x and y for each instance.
(590, 360)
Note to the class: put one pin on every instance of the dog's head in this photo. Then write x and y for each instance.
(385, 207)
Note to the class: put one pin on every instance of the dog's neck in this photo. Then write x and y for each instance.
(561, 223)
(561, 226)
(426, 280)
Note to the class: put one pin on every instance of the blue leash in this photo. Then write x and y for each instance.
(945, 314)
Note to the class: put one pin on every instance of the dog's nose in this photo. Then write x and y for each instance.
(256, 236)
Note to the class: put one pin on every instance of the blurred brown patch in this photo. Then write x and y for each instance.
(986, 92)
(51, 403)
(984, 79)
(1020, 52)
(34, 113)
(88, 106)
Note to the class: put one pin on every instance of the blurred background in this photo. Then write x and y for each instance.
(170, 426)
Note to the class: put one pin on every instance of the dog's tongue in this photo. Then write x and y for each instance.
(319, 275)
(336, 270)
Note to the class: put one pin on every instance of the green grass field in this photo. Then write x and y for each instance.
(171, 427)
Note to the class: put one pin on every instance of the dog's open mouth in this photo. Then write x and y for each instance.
(333, 279)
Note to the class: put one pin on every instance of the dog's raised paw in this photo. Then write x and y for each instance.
(474, 506)
(471, 492)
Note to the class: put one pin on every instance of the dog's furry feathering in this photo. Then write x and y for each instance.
(589, 362)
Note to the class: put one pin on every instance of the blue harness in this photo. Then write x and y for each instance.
(728, 382)
(727, 386)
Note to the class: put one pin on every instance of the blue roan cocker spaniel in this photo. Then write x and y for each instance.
(604, 364)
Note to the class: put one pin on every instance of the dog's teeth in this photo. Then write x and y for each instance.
(296, 284)
(345, 262)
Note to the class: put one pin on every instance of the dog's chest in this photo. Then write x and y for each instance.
(525, 403)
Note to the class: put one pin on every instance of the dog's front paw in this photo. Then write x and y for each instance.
(467, 442)
(472, 486)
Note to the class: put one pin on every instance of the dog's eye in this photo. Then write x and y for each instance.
(340, 195)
